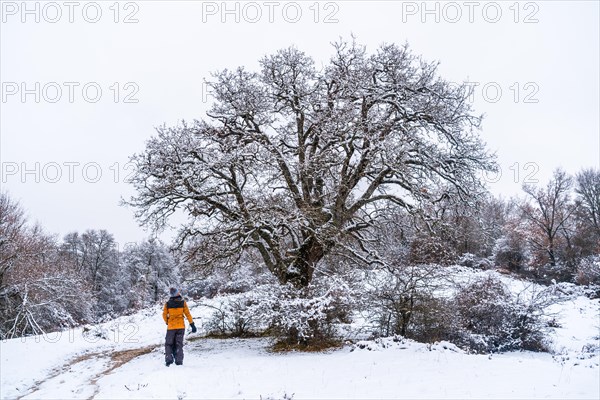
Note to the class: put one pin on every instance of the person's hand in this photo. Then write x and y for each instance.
(193, 327)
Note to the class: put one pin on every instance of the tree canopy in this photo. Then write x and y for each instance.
(294, 161)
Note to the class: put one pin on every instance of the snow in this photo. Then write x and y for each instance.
(127, 363)
(240, 369)
(580, 321)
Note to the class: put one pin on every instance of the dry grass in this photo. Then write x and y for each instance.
(284, 346)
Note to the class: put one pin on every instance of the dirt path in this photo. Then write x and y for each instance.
(88, 369)
(118, 358)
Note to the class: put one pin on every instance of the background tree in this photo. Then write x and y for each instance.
(457, 231)
(548, 211)
(47, 284)
(493, 216)
(150, 271)
(588, 195)
(38, 290)
(296, 161)
(512, 248)
(95, 256)
(92, 253)
(13, 237)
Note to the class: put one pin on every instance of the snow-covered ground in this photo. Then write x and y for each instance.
(126, 362)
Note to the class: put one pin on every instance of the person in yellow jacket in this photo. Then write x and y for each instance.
(173, 312)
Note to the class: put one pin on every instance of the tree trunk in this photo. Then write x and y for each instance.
(300, 273)
(551, 254)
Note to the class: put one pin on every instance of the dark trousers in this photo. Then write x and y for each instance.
(174, 346)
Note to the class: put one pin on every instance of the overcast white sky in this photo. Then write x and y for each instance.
(85, 83)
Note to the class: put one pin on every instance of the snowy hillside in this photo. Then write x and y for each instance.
(124, 359)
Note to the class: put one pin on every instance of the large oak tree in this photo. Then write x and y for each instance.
(295, 161)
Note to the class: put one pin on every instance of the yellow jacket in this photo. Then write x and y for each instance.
(173, 313)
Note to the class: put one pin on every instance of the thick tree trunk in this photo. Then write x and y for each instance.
(300, 273)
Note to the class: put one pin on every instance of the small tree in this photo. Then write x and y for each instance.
(397, 296)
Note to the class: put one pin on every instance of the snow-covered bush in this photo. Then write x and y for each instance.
(467, 260)
(481, 306)
(490, 318)
(296, 316)
(510, 251)
(428, 249)
(471, 260)
(433, 319)
(588, 271)
(244, 314)
(308, 317)
(39, 304)
(483, 315)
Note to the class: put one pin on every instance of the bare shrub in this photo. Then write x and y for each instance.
(588, 271)
(481, 316)
(491, 318)
(397, 297)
